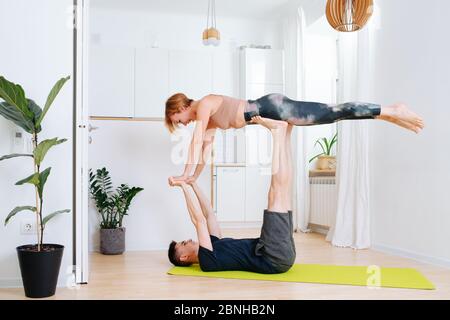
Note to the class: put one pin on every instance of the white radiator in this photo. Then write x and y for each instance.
(323, 200)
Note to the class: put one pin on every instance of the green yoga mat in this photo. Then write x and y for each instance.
(328, 274)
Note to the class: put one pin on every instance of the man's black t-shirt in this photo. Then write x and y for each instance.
(233, 254)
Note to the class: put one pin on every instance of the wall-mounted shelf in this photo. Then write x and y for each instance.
(240, 164)
(322, 173)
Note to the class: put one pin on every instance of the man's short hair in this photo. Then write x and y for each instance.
(175, 258)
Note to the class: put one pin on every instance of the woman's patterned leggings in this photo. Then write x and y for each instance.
(300, 113)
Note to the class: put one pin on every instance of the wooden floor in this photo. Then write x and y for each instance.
(142, 275)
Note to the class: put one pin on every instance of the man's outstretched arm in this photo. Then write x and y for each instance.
(213, 225)
(197, 218)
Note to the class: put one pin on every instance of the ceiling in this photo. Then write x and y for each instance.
(253, 9)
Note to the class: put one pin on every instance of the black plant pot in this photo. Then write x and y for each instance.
(112, 241)
(40, 270)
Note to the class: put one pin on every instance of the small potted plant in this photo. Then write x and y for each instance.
(112, 207)
(325, 161)
(40, 262)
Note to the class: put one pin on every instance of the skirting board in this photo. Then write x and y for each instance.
(411, 255)
(10, 283)
(319, 229)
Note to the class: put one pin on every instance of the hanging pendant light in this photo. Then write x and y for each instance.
(348, 15)
(211, 36)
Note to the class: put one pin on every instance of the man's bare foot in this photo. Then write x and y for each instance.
(269, 123)
(261, 121)
(401, 115)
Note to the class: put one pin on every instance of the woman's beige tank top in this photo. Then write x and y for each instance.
(226, 115)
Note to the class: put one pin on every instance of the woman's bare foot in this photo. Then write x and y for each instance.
(400, 114)
(398, 122)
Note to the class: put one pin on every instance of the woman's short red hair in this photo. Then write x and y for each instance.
(173, 106)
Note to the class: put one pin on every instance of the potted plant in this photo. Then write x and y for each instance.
(112, 207)
(325, 161)
(40, 262)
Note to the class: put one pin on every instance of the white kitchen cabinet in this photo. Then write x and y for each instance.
(241, 193)
(229, 146)
(261, 72)
(225, 66)
(190, 72)
(257, 90)
(230, 194)
(256, 190)
(263, 65)
(152, 82)
(111, 81)
(258, 146)
(136, 82)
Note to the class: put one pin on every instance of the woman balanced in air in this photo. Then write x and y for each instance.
(224, 112)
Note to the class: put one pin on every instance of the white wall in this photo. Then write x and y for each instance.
(139, 153)
(36, 52)
(176, 31)
(314, 9)
(410, 174)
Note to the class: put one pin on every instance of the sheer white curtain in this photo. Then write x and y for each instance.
(352, 224)
(293, 32)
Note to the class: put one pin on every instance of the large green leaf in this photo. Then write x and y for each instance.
(125, 195)
(43, 147)
(37, 112)
(51, 97)
(42, 180)
(33, 179)
(17, 210)
(15, 115)
(37, 179)
(52, 215)
(100, 188)
(15, 155)
(14, 95)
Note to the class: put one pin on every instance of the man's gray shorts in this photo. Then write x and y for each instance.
(276, 242)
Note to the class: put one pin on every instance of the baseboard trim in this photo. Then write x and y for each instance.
(411, 255)
(318, 228)
(11, 283)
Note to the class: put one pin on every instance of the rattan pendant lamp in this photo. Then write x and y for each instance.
(211, 36)
(348, 15)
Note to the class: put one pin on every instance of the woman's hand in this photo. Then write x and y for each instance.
(178, 178)
(176, 183)
(191, 179)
